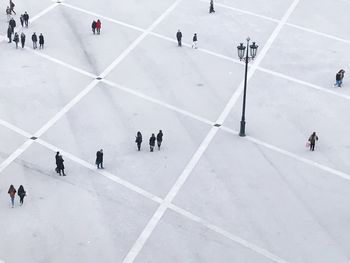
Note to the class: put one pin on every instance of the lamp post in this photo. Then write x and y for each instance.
(243, 54)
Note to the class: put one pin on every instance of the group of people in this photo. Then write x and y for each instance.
(21, 193)
(152, 140)
(179, 39)
(96, 27)
(14, 36)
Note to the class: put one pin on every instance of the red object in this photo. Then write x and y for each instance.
(98, 24)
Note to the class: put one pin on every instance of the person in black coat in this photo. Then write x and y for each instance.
(312, 140)
(23, 39)
(339, 78)
(35, 40)
(9, 33)
(22, 20)
(41, 41)
(16, 39)
(138, 140)
(21, 193)
(93, 27)
(12, 23)
(179, 37)
(99, 159)
(194, 39)
(152, 142)
(211, 7)
(159, 139)
(60, 165)
(26, 18)
(12, 7)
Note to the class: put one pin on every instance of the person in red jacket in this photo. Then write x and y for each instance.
(98, 26)
(12, 192)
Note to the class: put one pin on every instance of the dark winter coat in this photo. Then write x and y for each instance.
(178, 35)
(41, 40)
(152, 140)
(12, 23)
(313, 138)
(56, 158)
(23, 38)
(34, 38)
(21, 191)
(138, 139)
(93, 25)
(194, 38)
(99, 157)
(16, 38)
(26, 17)
(60, 165)
(9, 32)
(160, 137)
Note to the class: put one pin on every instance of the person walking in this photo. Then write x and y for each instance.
(138, 140)
(12, 23)
(21, 193)
(152, 142)
(22, 20)
(26, 18)
(339, 78)
(312, 140)
(41, 41)
(194, 39)
(23, 39)
(35, 40)
(12, 193)
(211, 7)
(9, 34)
(12, 7)
(93, 27)
(60, 165)
(98, 26)
(99, 159)
(159, 139)
(179, 37)
(16, 39)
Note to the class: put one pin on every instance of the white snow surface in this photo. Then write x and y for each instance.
(208, 195)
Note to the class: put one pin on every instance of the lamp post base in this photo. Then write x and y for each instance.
(242, 129)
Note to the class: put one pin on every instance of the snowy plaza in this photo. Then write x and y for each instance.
(208, 195)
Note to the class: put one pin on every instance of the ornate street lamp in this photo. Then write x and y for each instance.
(242, 54)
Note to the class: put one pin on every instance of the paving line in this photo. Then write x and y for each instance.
(46, 10)
(227, 234)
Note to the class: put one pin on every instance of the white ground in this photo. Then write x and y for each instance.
(208, 195)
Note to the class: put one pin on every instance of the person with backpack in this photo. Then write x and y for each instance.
(152, 142)
(12, 193)
(41, 41)
(35, 40)
(98, 26)
(23, 39)
(12, 24)
(159, 139)
(339, 78)
(16, 39)
(21, 193)
(312, 141)
(138, 140)
(93, 27)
